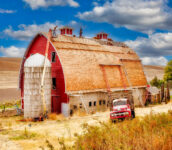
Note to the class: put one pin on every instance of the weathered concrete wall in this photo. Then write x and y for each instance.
(33, 104)
(92, 101)
(99, 101)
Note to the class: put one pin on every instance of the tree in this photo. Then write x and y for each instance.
(156, 82)
(168, 71)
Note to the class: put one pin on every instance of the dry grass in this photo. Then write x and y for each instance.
(61, 133)
(58, 117)
(23, 135)
(80, 113)
(153, 132)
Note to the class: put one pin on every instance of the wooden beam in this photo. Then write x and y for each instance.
(135, 60)
(110, 64)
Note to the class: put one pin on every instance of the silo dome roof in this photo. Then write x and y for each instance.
(37, 60)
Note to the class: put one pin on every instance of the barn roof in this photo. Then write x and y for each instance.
(82, 60)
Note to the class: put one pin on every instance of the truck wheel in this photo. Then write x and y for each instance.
(133, 114)
(113, 121)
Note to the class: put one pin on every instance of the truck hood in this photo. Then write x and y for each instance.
(120, 108)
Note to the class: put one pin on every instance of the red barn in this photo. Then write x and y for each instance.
(83, 71)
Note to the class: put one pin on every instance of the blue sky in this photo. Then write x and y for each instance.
(144, 25)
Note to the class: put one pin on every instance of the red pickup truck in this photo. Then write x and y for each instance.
(122, 108)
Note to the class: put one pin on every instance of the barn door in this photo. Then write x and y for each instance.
(55, 105)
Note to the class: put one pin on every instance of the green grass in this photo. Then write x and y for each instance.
(10, 104)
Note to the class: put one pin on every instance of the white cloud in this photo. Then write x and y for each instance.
(95, 3)
(153, 49)
(76, 25)
(6, 11)
(35, 4)
(25, 32)
(12, 51)
(156, 45)
(157, 61)
(140, 15)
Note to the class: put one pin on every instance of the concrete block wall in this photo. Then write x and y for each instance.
(92, 100)
(33, 104)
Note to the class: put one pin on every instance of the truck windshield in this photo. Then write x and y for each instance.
(119, 103)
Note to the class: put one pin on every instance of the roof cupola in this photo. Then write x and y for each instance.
(102, 36)
(66, 31)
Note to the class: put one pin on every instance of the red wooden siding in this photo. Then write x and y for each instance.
(58, 95)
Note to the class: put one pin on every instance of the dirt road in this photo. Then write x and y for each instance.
(65, 128)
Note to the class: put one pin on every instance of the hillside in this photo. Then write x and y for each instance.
(9, 71)
(9, 64)
(152, 71)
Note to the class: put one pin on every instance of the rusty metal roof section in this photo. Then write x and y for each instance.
(153, 90)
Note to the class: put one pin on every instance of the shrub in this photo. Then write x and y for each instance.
(52, 116)
(156, 82)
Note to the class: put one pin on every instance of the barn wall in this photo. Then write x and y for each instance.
(76, 100)
(139, 92)
(39, 46)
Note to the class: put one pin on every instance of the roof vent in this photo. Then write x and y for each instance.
(54, 33)
(66, 31)
(102, 36)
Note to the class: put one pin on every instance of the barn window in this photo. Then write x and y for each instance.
(54, 83)
(53, 57)
(90, 104)
(100, 102)
(74, 107)
(71, 112)
(80, 105)
(108, 103)
(94, 103)
(104, 102)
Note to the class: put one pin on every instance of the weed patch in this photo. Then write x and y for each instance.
(24, 135)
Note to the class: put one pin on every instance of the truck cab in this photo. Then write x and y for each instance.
(122, 108)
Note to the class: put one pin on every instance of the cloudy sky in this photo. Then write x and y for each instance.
(144, 25)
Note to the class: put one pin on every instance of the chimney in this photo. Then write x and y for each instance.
(102, 36)
(66, 31)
